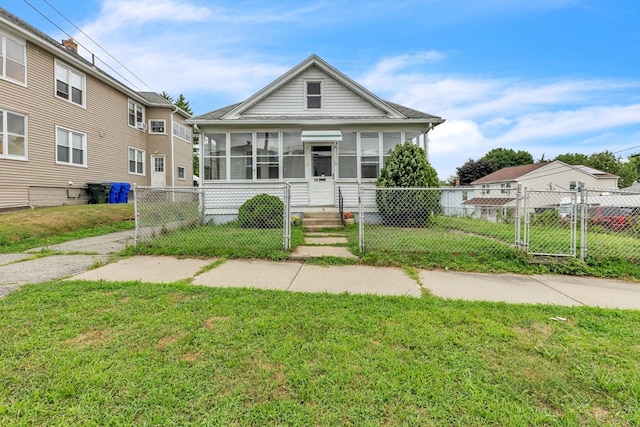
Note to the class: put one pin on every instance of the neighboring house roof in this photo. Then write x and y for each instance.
(509, 174)
(516, 173)
(44, 41)
(489, 201)
(391, 110)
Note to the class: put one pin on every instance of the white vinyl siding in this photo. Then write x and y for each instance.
(70, 85)
(136, 161)
(13, 59)
(71, 147)
(13, 135)
(337, 99)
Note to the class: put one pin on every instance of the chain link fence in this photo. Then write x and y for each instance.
(213, 221)
(446, 220)
(464, 221)
(610, 220)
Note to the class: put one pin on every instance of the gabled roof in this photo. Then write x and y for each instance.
(39, 38)
(510, 174)
(515, 173)
(392, 110)
(156, 100)
(489, 201)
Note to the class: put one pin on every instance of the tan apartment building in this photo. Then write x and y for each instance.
(64, 123)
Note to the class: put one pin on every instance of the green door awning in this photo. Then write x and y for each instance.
(321, 135)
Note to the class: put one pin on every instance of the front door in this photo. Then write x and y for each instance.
(321, 187)
(158, 174)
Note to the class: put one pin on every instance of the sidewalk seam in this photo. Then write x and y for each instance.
(556, 290)
(294, 277)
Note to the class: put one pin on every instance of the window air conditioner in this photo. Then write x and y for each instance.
(141, 125)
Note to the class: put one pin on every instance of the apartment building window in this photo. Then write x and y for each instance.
(157, 126)
(136, 161)
(136, 116)
(486, 189)
(505, 188)
(182, 132)
(181, 172)
(13, 135)
(313, 93)
(13, 59)
(70, 84)
(71, 147)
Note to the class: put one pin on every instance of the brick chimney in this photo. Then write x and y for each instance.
(457, 181)
(71, 45)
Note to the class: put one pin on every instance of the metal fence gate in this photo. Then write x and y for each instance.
(550, 222)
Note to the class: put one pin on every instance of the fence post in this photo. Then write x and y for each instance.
(287, 216)
(526, 220)
(518, 241)
(360, 219)
(135, 213)
(582, 195)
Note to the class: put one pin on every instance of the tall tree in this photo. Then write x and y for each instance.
(605, 161)
(572, 158)
(506, 157)
(475, 169)
(629, 172)
(183, 104)
(166, 96)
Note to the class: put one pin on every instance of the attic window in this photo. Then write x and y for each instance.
(313, 94)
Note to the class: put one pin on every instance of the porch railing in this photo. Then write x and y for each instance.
(341, 205)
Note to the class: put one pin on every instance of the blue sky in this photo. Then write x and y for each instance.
(548, 77)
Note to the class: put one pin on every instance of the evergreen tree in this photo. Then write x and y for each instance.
(166, 96)
(183, 104)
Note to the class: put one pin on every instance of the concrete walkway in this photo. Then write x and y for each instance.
(297, 276)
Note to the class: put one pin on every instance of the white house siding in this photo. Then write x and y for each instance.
(337, 99)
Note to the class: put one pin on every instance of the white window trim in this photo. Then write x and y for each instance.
(184, 178)
(150, 127)
(140, 125)
(3, 36)
(486, 189)
(84, 149)
(306, 95)
(144, 161)
(505, 188)
(5, 137)
(69, 70)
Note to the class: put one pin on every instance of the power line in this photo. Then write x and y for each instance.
(626, 149)
(68, 35)
(98, 44)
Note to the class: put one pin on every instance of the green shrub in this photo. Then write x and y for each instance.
(261, 211)
(407, 167)
(549, 217)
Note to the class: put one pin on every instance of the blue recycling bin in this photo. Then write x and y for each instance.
(114, 194)
(123, 196)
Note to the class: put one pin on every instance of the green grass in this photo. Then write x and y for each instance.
(32, 228)
(465, 244)
(226, 240)
(96, 353)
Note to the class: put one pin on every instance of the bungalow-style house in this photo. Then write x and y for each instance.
(314, 128)
(495, 194)
(64, 123)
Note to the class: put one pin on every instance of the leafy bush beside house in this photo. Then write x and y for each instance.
(407, 167)
(261, 211)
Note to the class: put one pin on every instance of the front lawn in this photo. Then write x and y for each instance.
(96, 353)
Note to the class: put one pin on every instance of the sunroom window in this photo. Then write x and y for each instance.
(369, 154)
(348, 156)
(292, 155)
(267, 166)
(214, 151)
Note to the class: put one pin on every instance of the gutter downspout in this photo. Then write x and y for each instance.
(173, 165)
